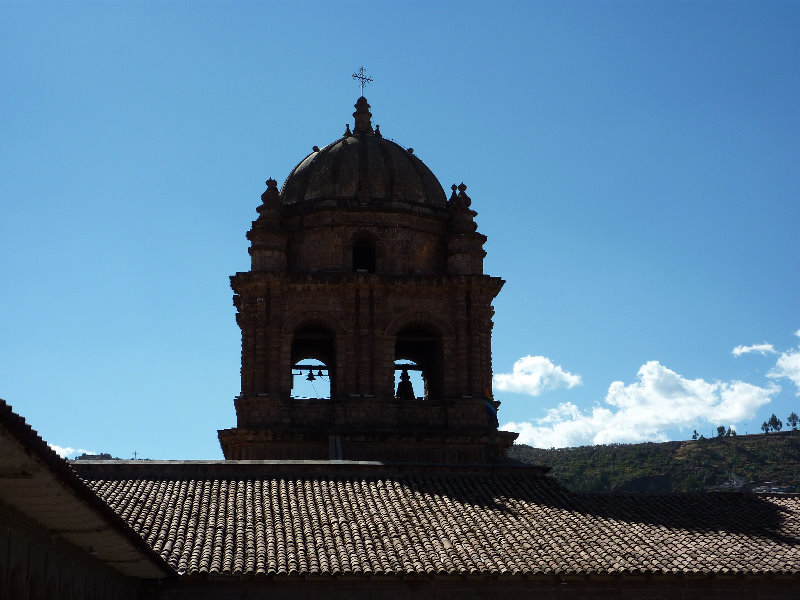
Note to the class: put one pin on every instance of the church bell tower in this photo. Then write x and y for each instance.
(364, 275)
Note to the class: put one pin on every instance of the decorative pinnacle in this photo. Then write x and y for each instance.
(271, 196)
(460, 200)
(462, 195)
(362, 78)
(363, 117)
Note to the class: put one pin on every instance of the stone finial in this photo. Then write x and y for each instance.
(462, 217)
(347, 132)
(459, 200)
(462, 195)
(363, 117)
(270, 207)
(271, 195)
(378, 131)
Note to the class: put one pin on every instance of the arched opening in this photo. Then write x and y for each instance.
(418, 354)
(313, 360)
(311, 379)
(364, 255)
(408, 381)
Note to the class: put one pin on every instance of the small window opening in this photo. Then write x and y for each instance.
(409, 384)
(363, 257)
(311, 379)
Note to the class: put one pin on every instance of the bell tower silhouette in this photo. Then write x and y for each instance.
(361, 271)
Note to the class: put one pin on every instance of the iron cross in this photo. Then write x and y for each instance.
(362, 78)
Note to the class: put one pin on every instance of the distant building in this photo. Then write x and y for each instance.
(364, 271)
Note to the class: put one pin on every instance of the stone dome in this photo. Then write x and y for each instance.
(363, 168)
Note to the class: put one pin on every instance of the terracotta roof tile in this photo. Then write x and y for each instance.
(441, 524)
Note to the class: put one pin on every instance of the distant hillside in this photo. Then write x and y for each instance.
(734, 463)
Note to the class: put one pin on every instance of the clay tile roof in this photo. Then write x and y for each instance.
(439, 522)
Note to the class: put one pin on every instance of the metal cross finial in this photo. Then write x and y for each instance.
(362, 78)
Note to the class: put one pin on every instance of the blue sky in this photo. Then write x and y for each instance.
(634, 166)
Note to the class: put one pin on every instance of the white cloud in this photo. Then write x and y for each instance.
(69, 452)
(534, 375)
(788, 366)
(762, 349)
(642, 411)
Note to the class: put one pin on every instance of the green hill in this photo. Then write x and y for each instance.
(730, 463)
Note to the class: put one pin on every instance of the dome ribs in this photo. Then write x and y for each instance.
(363, 169)
(389, 173)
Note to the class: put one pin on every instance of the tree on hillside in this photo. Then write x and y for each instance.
(721, 431)
(792, 420)
(695, 435)
(775, 423)
(673, 466)
(765, 427)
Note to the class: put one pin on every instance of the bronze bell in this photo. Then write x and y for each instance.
(405, 390)
(310, 376)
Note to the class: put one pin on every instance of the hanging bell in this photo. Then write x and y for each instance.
(405, 389)
(310, 376)
(319, 373)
